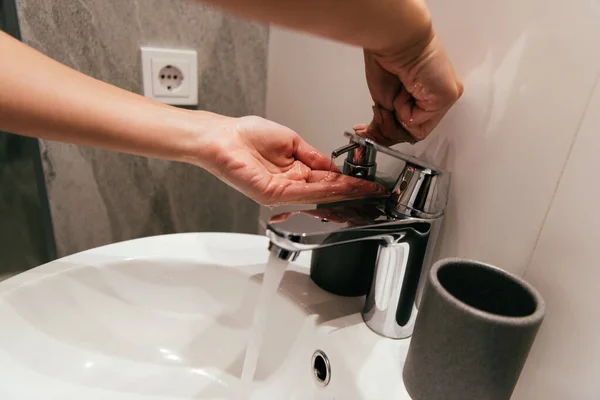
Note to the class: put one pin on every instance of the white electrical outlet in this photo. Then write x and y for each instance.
(170, 76)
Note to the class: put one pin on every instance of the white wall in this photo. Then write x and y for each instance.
(519, 173)
(565, 361)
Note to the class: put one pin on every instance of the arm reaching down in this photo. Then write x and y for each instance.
(409, 74)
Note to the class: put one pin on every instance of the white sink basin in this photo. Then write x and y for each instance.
(168, 317)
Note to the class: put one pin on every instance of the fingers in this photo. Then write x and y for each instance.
(339, 216)
(298, 171)
(312, 157)
(342, 215)
(282, 217)
(420, 117)
(407, 123)
(418, 122)
(350, 214)
(383, 85)
(361, 129)
(414, 96)
(326, 187)
(385, 129)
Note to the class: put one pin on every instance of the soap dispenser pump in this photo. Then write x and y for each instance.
(420, 191)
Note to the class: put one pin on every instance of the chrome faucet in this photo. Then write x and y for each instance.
(401, 231)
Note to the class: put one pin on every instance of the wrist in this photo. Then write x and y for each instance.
(201, 133)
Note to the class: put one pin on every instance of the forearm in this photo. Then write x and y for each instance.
(377, 25)
(42, 98)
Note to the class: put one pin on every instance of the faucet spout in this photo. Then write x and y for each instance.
(381, 248)
(400, 250)
(312, 229)
(282, 253)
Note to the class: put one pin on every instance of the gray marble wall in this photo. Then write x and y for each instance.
(98, 197)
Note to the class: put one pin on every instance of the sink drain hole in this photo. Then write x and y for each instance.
(321, 367)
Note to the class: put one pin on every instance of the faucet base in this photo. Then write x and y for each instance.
(390, 307)
(393, 332)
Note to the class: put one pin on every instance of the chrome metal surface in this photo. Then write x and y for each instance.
(419, 193)
(392, 303)
(403, 247)
(282, 253)
(360, 161)
(359, 171)
(308, 228)
(421, 189)
(405, 225)
(354, 138)
(344, 149)
(362, 155)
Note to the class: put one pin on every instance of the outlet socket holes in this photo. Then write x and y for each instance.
(170, 77)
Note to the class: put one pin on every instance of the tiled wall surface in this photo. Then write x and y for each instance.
(565, 360)
(516, 136)
(97, 197)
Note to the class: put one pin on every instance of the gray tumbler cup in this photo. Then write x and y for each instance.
(474, 330)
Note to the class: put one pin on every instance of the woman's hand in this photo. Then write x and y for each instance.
(412, 89)
(273, 165)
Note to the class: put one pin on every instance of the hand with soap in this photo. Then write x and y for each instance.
(273, 165)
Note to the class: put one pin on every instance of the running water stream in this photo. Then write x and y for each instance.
(271, 280)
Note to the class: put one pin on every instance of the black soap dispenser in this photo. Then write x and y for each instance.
(347, 269)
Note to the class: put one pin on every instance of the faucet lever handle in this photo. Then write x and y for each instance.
(421, 189)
